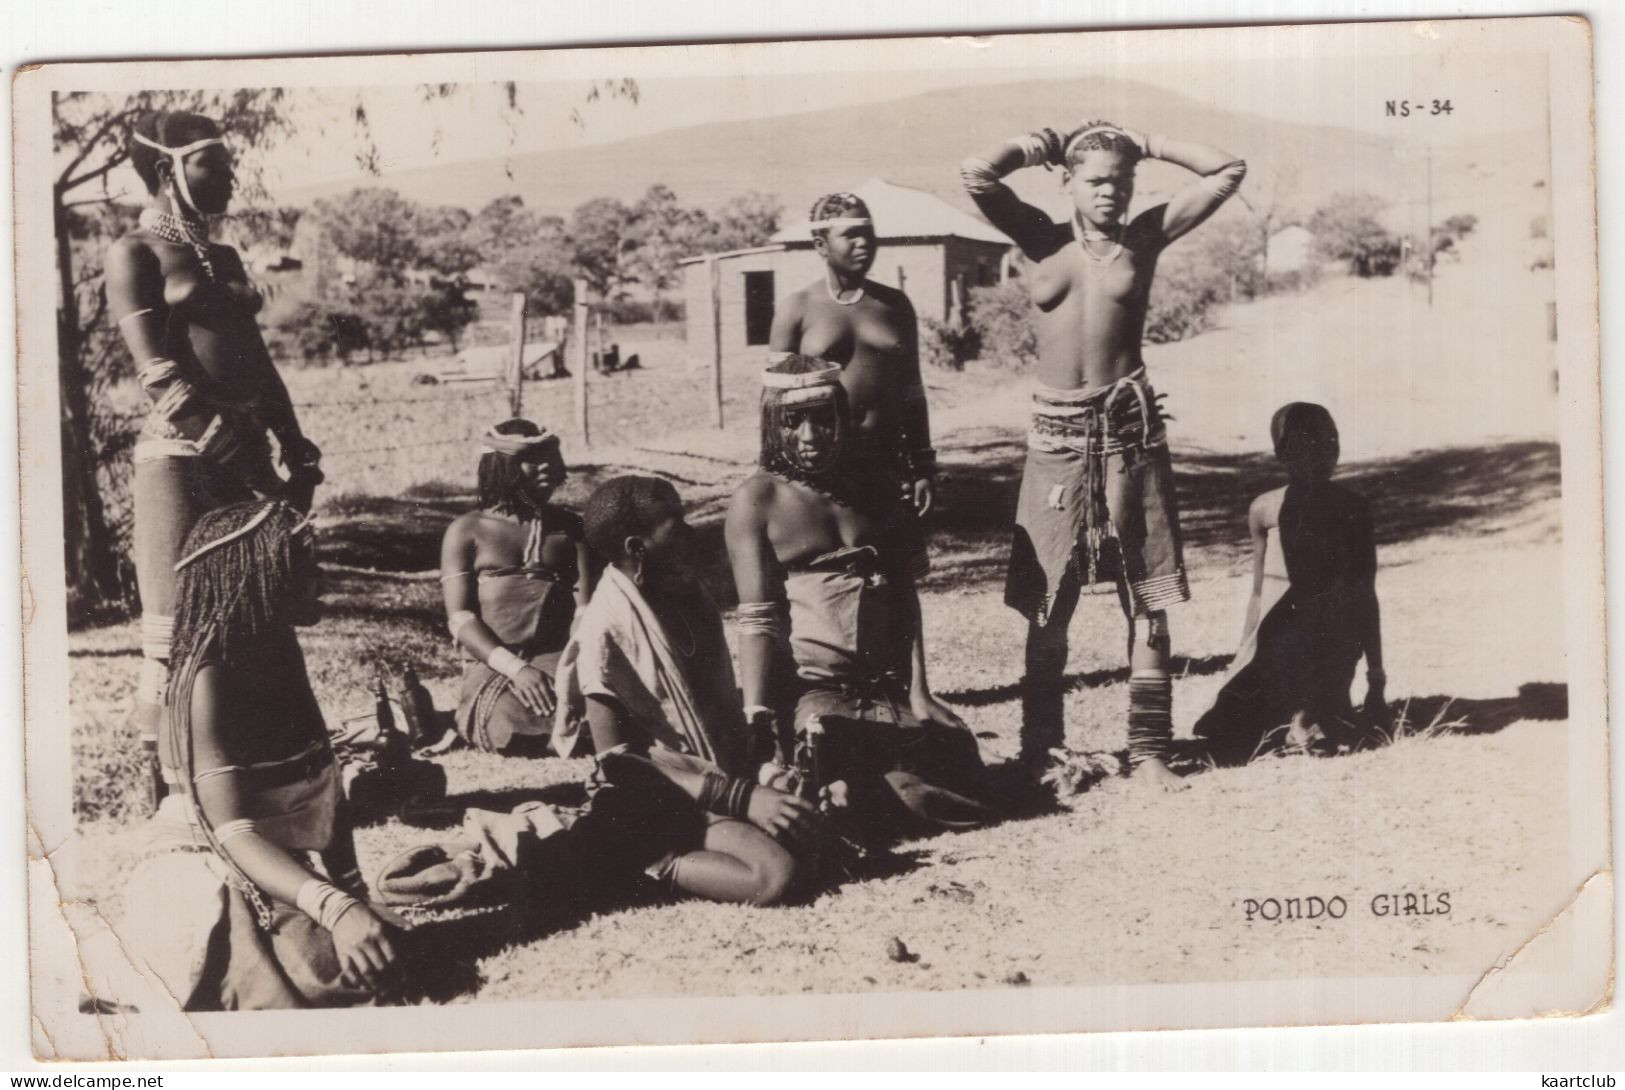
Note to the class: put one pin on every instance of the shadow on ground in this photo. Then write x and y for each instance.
(1413, 717)
(1457, 491)
(1542, 701)
(1180, 666)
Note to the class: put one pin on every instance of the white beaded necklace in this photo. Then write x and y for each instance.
(829, 286)
(1101, 263)
(181, 230)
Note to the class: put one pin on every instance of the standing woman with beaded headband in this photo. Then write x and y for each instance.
(1097, 494)
(513, 575)
(187, 313)
(248, 896)
(871, 331)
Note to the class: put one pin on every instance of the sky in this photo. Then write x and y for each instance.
(1488, 95)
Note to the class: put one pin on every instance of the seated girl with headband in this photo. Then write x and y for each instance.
(513, 574)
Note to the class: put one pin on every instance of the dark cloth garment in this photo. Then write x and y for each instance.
(851, 640)
(528, 607)
(1304, 652)
(847, 619)
(637, 819)
(1097, 501)
(904, 776)
(292, 966)
(491, 717)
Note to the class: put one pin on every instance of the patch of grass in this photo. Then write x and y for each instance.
(1404, 732)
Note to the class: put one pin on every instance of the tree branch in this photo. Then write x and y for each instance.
(89, 176)
(85, 149)
(90, 200)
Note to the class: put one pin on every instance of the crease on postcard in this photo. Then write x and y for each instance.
(1564, 969)
(123, 1011)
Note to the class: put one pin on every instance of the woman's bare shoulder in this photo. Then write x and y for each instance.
(1265, 510)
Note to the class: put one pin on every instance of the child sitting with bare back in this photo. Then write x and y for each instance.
(1313, 611)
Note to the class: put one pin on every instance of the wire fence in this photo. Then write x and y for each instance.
(400, 429)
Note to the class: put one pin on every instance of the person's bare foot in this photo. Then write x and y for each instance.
(1155, 774)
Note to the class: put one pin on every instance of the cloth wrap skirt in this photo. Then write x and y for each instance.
(1097, 501)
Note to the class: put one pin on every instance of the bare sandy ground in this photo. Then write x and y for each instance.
(1121, 885)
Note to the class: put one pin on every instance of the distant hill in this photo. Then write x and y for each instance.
(918, 141)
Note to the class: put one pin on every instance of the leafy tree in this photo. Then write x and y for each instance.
(528, 252)
(445, 242)
(375, 226)
(90, 132)
(747, 220)
(1346, 229)
(662, 233)
(600, 230)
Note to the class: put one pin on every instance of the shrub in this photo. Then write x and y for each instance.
(639, 311)
(1346, 229)
(319, 331)
(1001, 320)
(941, 345)
(1182, 300)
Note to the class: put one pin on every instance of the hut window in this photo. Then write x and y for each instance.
(758, 307)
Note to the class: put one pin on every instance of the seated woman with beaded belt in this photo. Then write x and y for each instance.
(514, 574)
(248, 895)
(187, 313)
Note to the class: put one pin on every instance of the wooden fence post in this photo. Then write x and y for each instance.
(715, 269)
(516, 356)
(582, 360)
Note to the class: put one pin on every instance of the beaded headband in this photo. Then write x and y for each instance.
(513, 446)
(1077, 137)
(827, 375)
(179, 156)
(808, 395)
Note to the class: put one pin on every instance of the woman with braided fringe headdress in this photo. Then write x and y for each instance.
(248, 896)
(827, 597)
(187, 313)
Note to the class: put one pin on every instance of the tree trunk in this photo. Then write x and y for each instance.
(92, 565)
